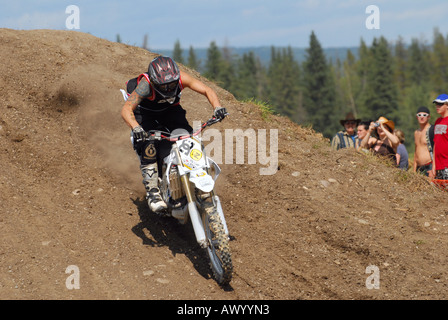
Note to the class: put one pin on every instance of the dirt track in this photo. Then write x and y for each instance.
(71, 194)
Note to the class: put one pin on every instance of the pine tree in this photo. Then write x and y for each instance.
(344, 101)
(439, 62)
(362, 68)
(417, 92)
(193, 62)
(261, 80)
(178, 53)
(401, 63)
(284, 83)
(381, 93)
(319, 90)
(350, 83)
(418, 71)
(245, 84)
(217, 68)
(272, 77)
(214, 62)
(227, 72)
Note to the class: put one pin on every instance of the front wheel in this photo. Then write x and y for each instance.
(218, 248)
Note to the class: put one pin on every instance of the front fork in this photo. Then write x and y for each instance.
(192, 209)
(194, 213)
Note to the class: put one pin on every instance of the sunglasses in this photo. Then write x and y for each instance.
(422, 115)
(439, 104)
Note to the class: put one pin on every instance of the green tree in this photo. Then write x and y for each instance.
(362, 67)
(319, 90)
(350, 83)
(178, 53)
(417, 90)
(439, 62)
(193, 62)
(245, 84)
(284, 83)
(217, 68)
(381, 93)
(250, 81)
(213, 64)
(401, 64)
(342, 74)
(418, 71)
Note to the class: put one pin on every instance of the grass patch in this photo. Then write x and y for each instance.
(266, 109)
(404, 176)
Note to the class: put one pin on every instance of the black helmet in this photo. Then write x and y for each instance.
(164, 75)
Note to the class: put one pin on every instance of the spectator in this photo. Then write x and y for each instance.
(440, 162)
(386, 144)
(363, 127)
(346, 138)
(424, 140)
(402, 152)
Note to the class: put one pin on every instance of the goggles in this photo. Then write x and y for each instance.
(168, 87)
(422, 115)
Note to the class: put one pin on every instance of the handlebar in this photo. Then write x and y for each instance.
(159, 135)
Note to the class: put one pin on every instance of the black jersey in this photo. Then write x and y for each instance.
(153, 101)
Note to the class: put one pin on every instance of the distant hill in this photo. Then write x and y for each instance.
(264, 53)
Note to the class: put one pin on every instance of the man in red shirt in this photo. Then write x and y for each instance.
(440, 164)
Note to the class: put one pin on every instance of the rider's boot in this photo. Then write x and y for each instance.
(150, 179)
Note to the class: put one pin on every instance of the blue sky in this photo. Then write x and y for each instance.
(238, 23)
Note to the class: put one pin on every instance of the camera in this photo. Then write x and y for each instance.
(376, 124)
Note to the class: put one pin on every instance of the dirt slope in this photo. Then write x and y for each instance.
(71, 194)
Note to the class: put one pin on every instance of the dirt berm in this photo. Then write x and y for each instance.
(71, 195)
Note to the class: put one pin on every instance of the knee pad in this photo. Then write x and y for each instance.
(148, 153)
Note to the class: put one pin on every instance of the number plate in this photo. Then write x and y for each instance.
(191, 154)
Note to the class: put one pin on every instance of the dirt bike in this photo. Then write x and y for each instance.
(187, 186)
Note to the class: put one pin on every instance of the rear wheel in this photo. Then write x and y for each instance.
(218, 248)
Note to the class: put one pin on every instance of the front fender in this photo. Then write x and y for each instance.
(202, 180)
(216, 167)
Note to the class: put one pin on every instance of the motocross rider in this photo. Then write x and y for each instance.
(154, 104)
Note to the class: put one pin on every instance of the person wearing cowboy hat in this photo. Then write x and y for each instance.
(386, 144)
(346, 138)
